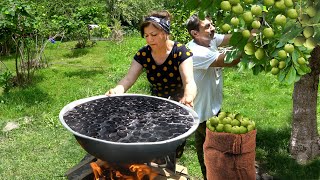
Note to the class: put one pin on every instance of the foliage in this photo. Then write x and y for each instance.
(70, 19)
(75, 26)
(130, 12)
(103, 31)
(6, 81)
(28, 26)
(180, 15)
(15, 21)
(117, 31)
(299, 15)
(20, 25)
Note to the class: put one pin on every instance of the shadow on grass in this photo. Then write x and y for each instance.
(191, 140)
(9, 57)
(30, 96)
(74, 53)
(83, 74)
(275, 158)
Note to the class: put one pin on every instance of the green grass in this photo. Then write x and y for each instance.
(41, 148)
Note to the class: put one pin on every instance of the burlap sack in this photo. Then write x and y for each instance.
(230, 156)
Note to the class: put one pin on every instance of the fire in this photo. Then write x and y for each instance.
(97, 171)
(143, 170)
(138, 171)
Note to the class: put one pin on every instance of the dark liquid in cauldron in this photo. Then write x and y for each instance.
(129, 119)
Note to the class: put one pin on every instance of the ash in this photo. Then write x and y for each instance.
(129, 119)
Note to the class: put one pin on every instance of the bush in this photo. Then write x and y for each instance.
(6, 81)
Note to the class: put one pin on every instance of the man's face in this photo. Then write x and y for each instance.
(206, 32)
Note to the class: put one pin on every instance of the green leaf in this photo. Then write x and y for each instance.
(246, 58)
(202, 14)
(303, 69)
(234, 40)
(289, 25)
(295, 56)
(205, 4)
(317, 32)
(274, 53)
(297, 78)
(231, 55)
(306, 69)
(242, 66)
(291, 76)
(299, 70)
(294, 32)
(192, 4)
(12, 13)
(282, 75)
(316, 18)
(257, 69)
(216, 5)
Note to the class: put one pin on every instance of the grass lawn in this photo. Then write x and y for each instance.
(41, 148)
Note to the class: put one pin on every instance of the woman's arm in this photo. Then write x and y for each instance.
(190, 87)
(131, 77)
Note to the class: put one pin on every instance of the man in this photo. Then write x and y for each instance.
(207, 68)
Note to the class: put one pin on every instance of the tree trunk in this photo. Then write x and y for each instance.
(305, 141)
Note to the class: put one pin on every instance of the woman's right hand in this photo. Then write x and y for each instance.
(116, 90)
(110, 92)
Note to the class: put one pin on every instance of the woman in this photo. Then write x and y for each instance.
(168, 63)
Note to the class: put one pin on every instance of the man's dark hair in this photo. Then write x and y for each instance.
(193, 23)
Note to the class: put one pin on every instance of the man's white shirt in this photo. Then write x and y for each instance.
(209, 80)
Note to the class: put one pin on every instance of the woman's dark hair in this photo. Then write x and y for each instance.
(163, 15)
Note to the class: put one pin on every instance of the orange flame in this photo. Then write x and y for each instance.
(142, 170)
(121, 176)
(97, 171)
(139, 171)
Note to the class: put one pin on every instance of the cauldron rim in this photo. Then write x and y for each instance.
(72, 104)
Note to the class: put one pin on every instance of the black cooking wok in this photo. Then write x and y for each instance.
(118, 152)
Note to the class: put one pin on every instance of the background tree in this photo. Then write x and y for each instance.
(180, 13)
(27, 26)
(19, 25)
(286, 45)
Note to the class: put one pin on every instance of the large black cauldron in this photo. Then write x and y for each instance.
(129, 128)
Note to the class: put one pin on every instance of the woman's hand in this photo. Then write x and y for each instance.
(117, 90)
(110, 92)
(187, 100)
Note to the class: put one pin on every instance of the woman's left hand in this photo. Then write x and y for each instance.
(187, 100)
